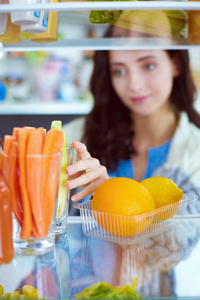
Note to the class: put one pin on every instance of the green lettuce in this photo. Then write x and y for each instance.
(105, 290)
(104, 16)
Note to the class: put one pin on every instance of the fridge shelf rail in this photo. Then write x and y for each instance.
(102, 44)
(104, 5)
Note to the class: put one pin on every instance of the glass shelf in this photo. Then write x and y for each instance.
(103, 44)
(167, 265)
(138, 25)
(104, 5)
(70, 108)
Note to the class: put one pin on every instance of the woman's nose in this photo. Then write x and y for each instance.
(136, 81)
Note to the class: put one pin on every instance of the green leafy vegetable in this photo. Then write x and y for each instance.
(104, 16)
(105, 290)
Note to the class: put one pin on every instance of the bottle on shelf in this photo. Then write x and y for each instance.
(3, 18)
(194, 26)
(24, 17)
(39, 27)
(51, 34)
(3, 90)
(12, 34)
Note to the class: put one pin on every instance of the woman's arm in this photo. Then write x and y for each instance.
(86, 172)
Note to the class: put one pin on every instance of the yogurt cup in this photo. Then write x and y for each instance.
(25, 17)
(39, 27)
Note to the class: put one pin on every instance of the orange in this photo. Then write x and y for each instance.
(164, 192)
(118, 203)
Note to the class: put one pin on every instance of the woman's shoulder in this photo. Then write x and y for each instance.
(74, 129)
(187, 132)
(186, 140)
(184, 149)
(183, 162)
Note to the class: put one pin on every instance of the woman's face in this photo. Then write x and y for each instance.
(142, 79)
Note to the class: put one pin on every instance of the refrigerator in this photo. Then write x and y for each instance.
(45, 69)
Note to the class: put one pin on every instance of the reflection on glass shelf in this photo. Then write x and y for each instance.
(160, 263)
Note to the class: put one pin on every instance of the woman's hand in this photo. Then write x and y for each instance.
(86, 172)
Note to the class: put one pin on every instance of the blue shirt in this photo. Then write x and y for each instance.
(157, 156)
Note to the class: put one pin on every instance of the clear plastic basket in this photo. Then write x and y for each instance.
(130, 230)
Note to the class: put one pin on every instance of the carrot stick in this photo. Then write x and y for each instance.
(10, 173)
(35, 186)
(53, 144)
(8, 139)
(54, 141)
(13, 182)
(6, 227)
(1, 161)
(36, 141)
(27, 215)
(16, 131)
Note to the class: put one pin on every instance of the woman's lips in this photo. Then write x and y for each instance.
(139, 100)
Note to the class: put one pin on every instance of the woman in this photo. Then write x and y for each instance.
(143, 122)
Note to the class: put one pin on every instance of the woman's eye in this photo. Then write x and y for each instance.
(118, 72)
(150, 66)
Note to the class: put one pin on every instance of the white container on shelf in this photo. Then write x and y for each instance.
(25, 17)
(3, 18)
(39, 27)
(3, 22)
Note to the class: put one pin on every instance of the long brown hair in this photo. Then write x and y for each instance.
(108, 133)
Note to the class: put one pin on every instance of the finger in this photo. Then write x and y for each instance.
(83, 165)
(88, 190)
(81, 149)
(88, 177)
